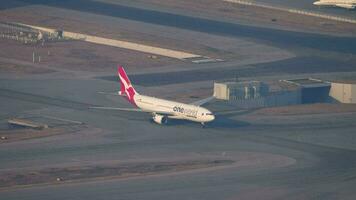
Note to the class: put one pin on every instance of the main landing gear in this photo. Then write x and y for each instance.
(203, 125)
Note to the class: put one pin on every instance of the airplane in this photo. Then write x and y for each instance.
(161, 109)
(348, 4)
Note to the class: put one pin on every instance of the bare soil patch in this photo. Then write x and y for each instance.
(42, 15)
(16, 68)
(25, 134)
(71, 55)
(14, 134)
(70, 174)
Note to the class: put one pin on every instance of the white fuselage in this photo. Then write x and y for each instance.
(174, 110)
(349, 4)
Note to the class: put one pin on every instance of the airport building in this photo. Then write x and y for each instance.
(312, 90)
(256, 94)
(343, 92)
(316, 91)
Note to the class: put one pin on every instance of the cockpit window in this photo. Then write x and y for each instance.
(209, 113)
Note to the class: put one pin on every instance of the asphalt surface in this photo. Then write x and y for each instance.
(322, 145)
(292, 66)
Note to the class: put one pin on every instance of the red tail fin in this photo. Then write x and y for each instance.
(125, 86)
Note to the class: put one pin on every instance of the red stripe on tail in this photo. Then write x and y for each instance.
(125, 85)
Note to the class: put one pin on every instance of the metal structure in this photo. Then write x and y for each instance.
(312, 90)
(240, 90)
(28, 35)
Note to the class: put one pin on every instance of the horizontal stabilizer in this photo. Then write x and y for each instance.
(110, 93)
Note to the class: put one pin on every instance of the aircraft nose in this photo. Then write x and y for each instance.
(212, 117)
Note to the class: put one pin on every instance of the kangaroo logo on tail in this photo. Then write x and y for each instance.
(126, 88)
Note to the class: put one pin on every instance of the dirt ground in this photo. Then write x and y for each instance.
(12, 67)
(53, 175)
(16, 57)
(50, 17)
(13, 135)
(64, 173)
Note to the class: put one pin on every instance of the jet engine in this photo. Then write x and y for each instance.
(160, 119)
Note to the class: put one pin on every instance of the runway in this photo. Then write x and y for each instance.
(302, 154)
(308, 5)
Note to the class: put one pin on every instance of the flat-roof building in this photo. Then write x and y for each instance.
(312, 90)
(343, 91)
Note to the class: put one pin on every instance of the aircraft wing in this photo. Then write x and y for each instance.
(122, 109)
(132, 110)
(202, 101)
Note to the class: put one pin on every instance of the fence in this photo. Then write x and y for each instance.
(281, 98)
